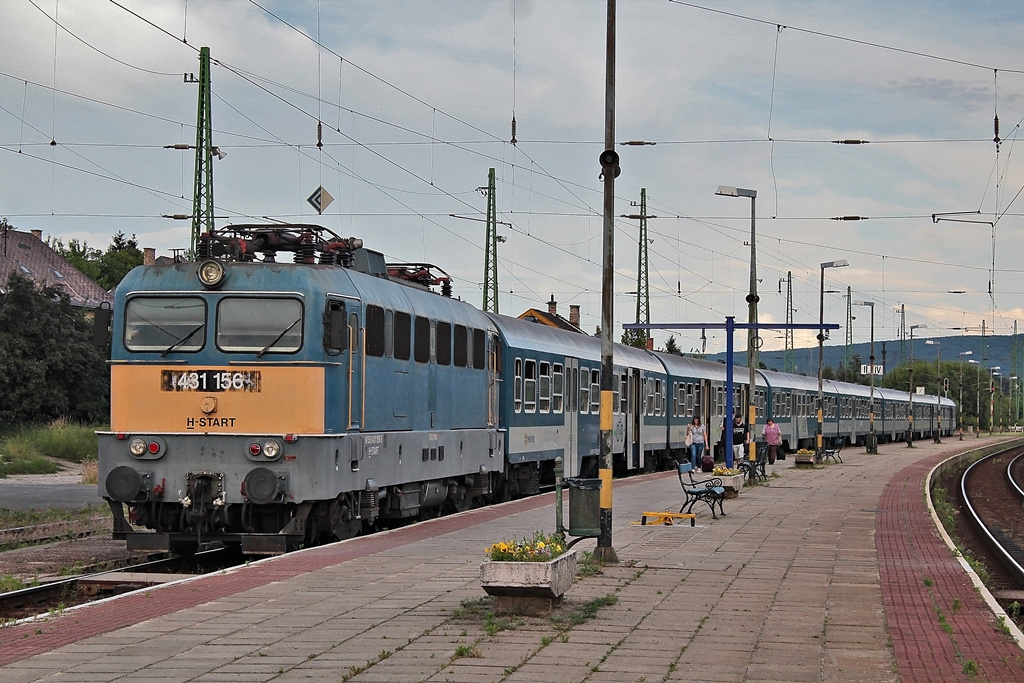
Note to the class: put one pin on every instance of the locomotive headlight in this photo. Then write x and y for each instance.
(211, 273)
(137, 446)
(271, 449)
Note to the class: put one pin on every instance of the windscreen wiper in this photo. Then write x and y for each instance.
(182, 340)
(278, 338)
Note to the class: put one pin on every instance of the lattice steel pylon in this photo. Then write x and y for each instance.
(847, 353)
(491, 249)
(643, 291)
(202, 199)
(789, 367)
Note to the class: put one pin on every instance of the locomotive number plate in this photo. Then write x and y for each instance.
(210, 380)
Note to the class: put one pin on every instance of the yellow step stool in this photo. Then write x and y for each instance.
(665, 517)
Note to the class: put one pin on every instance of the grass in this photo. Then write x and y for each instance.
(16, 518)
(31, 450)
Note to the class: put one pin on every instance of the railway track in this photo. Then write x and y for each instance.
(60, 594)
(992, 508)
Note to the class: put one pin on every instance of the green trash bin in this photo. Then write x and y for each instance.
(584, 506)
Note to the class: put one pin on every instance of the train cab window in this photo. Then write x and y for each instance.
(595, 391)
(518, 398)
(544, 399)
(164, 323)
(479, 349)
(376, 331)
(443, 335)
(259, 324)
(335, 330)
(422, 340)
(403, 335)
(584, 404)
(530, 386)
(461, 344)
(557, 387)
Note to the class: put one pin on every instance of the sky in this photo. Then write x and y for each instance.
(416, 99)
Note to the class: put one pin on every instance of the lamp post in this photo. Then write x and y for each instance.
(935, 413)
(871, 444)
(910, 416)
(821, 350)
(992, 374)
(752, 336)
(961, 405)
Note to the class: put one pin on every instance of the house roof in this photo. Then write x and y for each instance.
(25, 253)
(550, 319)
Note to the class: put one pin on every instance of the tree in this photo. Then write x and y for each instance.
(672, 347)
(49, 367)
(637, 338)
(105, 268)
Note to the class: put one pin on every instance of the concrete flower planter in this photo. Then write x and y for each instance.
(731, 483)
(528, 588)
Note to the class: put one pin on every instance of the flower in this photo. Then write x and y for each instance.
(540, 548)
(725, 471)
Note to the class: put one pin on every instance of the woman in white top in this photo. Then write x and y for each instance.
(695, 434)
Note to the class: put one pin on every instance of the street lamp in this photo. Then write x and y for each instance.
(938, 356)
(821, 349)
(871, 444)
(910, 432)
(752, 336)
(992, 374)
(962, 354)
(977, 397)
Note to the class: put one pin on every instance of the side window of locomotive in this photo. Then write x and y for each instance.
(584, 404)
(479, 349)
(545, 387)
(164, 323)
(335, 331)
(389, 333)
(461, 352)
(422, 344)
(403, 335)
(519, 385)
(557, 388)
(530, 386)
(444, 343)
(259, 325)
(376, 331)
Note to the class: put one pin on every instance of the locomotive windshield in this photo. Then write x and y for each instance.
(259, 325)
(164, 324)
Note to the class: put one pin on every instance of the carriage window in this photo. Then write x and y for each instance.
(479, 349)
(595, 391)
(375, 331)
(444, 343)
(165, 324)
(422, 340)
(659, 398)
(557, 388)
(519, 385)
(584, 404)
(689, 400)
(623, 393)
(260, 325)
(545, 387)
(530, 386)
(720, 401)
(461, 352)
(403, 330)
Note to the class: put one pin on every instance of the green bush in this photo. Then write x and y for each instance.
(29, 450)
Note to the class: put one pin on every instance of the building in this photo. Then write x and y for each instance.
(552, 319)
(27, 254)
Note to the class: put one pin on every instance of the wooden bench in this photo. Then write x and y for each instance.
(707, 491)
(759, 465)
(665, 517)
(832, 452)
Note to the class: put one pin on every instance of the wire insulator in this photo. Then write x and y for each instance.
(513, 140)
(319, 135)
(995, 128)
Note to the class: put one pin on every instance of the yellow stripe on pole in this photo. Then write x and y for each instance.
(607, 398)
(606, 488)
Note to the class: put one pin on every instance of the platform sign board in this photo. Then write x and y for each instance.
(320, 199)
(872, 370)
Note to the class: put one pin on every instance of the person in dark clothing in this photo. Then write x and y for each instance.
(740, 437)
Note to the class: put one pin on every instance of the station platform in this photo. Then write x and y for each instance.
(832, 573)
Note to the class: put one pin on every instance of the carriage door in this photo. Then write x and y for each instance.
(637, 399)
(572, 396)
(493, 380)
(356, 371)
